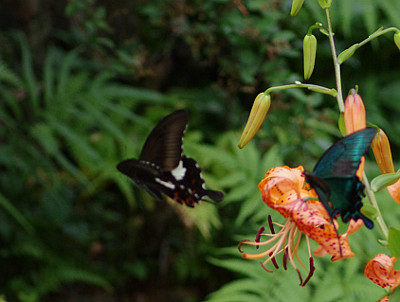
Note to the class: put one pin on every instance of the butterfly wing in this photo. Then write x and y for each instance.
(185, 184)
(161, 167)
(334, 176)
(142, 174)
(163, 146)
(334, 189)
(343, 158)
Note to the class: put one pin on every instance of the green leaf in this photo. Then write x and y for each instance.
(347, 53)
(395, 296)
(28, 73)
(16, 214)
(384, 180)
(369, 211)
(394, 242)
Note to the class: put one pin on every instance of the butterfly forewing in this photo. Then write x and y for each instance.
(163, 147)
(343, 158)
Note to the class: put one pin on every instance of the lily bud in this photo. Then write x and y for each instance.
(383, 155)
(355, 118)
(396, 38)
(309, 54)
(257, 114)
(325, 3)
(347, 53)
(296, 6)
(354, 113)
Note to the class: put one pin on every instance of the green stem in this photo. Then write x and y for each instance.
(339, 97)
(372, 200)
(376, 34)
(336, 65)
(298, 84)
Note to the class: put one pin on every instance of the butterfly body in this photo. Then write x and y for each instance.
(162, 169)
(334, 176)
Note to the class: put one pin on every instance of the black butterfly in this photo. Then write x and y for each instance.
(162, 168)
(334, 176)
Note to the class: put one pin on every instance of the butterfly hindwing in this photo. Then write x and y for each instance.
(161, 167)
(334, 176)
(185, 184)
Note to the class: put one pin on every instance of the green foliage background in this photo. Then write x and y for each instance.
(81, 85)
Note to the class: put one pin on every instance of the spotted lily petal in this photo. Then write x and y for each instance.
(380, 270)
(315, 224)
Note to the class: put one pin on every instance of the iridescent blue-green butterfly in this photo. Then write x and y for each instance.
(334, 176)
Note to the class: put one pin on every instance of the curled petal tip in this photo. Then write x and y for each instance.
(380, 270)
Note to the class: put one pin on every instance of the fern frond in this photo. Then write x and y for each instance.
(28, 74)
(9, 77)
(16, 214)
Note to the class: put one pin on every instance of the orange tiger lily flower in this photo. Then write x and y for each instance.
(284, 190)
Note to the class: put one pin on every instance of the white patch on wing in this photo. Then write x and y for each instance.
(179, 172)
(166, 183)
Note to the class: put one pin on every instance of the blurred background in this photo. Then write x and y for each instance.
(83, 82)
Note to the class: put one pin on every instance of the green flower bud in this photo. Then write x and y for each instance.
(257, 114)
(296, 6)
(347, 53)
(397, 39)
(309, 54)
(325, 3)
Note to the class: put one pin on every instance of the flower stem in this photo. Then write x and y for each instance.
(376, 34)
(339, 95)
(372, 200)
(298, 84)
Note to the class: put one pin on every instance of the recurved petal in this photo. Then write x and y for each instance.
(380, 270)
(315, 223)
(331, 246)
(282, 189)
